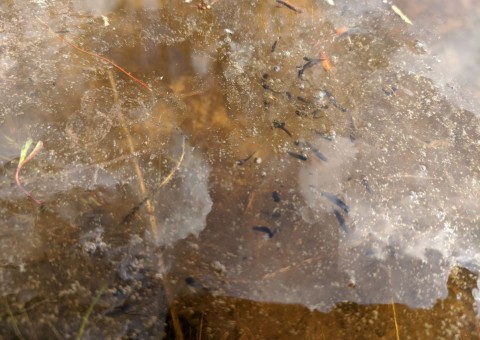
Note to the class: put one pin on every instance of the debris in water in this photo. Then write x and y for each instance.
(291, 6)
(401, 15)
(326, 64)
(105, 21)
(341, 31)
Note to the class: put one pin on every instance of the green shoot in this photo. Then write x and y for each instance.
(88, 313)
(23, 153)
(24, 159)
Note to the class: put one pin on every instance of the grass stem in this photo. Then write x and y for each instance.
(86, 317)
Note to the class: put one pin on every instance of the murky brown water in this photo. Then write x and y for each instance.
(262, 178)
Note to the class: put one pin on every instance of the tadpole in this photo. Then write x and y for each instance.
(335, 200)
(264, 229)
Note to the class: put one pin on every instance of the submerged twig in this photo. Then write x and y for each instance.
(24, 159)
(93, 54)
(291, 6)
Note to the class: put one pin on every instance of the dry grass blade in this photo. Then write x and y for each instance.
(13, 320)
(164, 182)
(136, 165)
(397, 333)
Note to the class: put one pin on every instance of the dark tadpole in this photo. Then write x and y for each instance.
(341, 220)
(190, 281)
(276, 196)
(332, 99)
(335, 200)
(300, 156)
(243, 161)
(264, 229)
(310, 62)
(303, 100)
(316, 152)
(274, 46)
(281, 126)
(353, 131)
(366, 184)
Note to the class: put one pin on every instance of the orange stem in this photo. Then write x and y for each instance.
(111, 62)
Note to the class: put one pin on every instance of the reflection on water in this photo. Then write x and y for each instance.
(276, 173)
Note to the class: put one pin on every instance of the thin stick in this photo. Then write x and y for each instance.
(291, 6)
(109, 61)
(138, 170)
(165, 181)
(199, 335)
(176, 322)
(34, 335)
(55, 331)
(175, 169)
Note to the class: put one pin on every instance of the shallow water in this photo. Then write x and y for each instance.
(243, 181)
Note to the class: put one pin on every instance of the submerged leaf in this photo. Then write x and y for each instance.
(23, 153)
